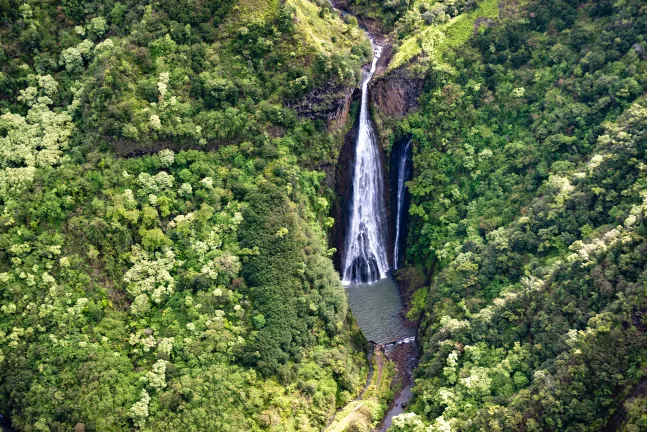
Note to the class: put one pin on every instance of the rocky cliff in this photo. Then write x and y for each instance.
(328, 102)
(395, 93)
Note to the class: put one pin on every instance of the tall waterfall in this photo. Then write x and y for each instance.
(366, 250)
(402, 177)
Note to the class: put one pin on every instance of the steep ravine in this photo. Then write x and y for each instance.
(392, 102)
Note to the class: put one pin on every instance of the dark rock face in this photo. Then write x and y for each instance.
(397, 152)
(364, 271)
(395, 94)
(328, 102)
(5, 425)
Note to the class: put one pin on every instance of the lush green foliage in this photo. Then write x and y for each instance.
(180, 74)
(130, 292)
(181, 290)
(528, 200)
(425, 29)
(189, 286)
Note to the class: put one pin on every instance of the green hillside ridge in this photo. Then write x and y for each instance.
(527, 209)
(191, 288)
(442, 33)
(164, 215)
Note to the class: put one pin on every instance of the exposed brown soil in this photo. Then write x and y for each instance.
(379, 362)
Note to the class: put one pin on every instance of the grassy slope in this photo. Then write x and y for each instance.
(432, 41)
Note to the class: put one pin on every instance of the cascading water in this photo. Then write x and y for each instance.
(403, 173)
(366, 251)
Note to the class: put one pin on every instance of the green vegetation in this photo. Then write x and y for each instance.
(528, 203)
(438, 30)
(180, 75)
(425, 30)
(365, 413)
(164, 207)
(188, 286)
(418, 303)
(127, 297)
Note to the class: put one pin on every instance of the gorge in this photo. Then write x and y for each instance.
(366, 266)
(271, 215)
(366, 270)
(368, 260)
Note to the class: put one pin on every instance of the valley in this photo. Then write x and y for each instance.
(298, 215)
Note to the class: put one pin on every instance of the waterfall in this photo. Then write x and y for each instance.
(366, 252)
(402, 177)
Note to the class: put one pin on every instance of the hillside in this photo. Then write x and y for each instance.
(168, 222)
(163, 261)
(527, 215)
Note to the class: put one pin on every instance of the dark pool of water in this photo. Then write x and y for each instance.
(376, 307)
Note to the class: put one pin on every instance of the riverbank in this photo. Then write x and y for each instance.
(387, 391)
(405, 358)
(364, 412)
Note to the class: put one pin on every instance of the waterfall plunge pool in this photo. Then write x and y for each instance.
(377, 307)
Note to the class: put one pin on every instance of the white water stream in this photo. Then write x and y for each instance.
(402, 177)
(366, 248)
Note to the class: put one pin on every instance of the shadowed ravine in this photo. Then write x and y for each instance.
(366, 260)
(403, 174)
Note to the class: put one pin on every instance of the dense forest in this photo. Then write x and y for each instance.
(528, 208)
(163, 258)
(166, 191)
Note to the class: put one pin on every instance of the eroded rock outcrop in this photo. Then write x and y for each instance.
(328, 102)
(396, 93)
